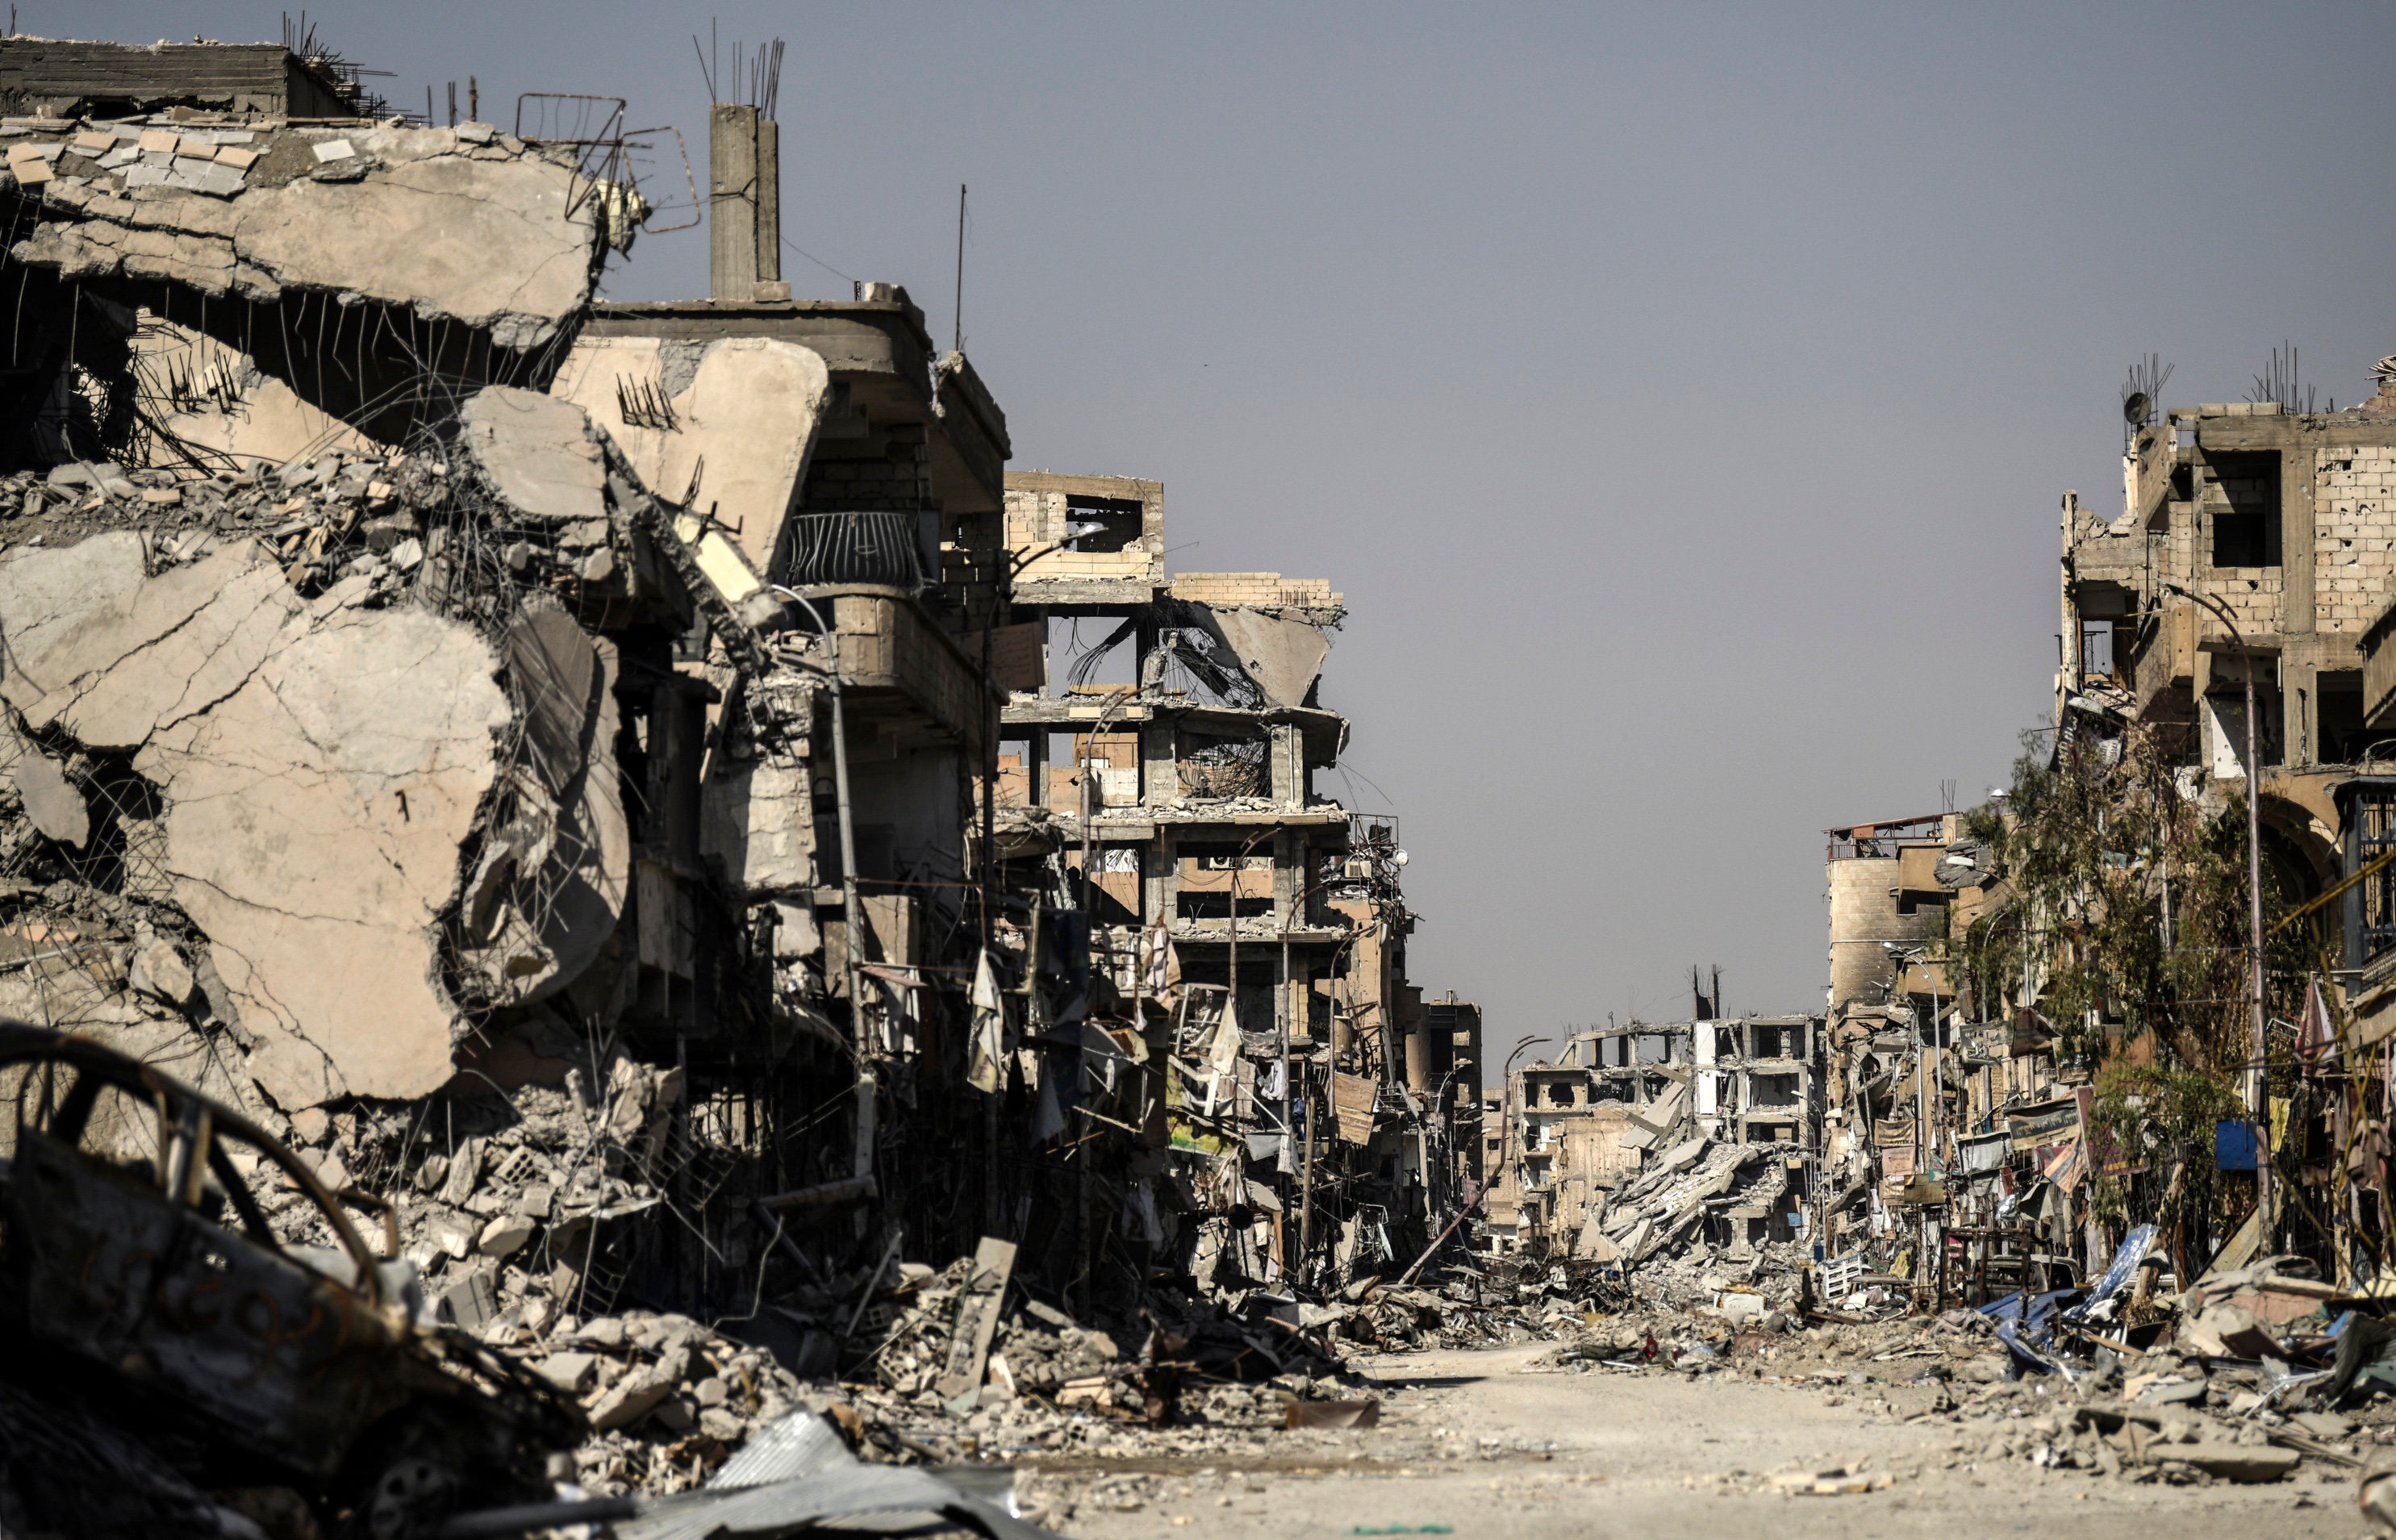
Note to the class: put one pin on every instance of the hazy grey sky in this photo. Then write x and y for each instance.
(1680, 395)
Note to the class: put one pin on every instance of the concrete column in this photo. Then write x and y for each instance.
(1417, 1058)
(2297, 598)
(769, 201)
(732, 205)
(1164, 879)
(1158, 778)
(2299, 712)
(1288, 765)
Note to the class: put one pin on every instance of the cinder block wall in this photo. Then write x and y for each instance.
(1254, 590)
(2354, 536)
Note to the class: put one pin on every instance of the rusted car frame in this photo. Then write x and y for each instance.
(224, 1338)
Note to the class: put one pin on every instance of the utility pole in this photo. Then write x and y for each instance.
(2258, 1095)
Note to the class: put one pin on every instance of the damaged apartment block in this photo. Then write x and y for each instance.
(1175, 802)
(586, 778)
(1733, 1103)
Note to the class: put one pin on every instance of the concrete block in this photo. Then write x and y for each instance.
(504, 1236)
(469, 1304)
(568, 1371)
(629, 1400)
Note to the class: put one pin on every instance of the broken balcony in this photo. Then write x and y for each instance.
(905, 683)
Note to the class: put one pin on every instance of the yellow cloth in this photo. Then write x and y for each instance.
(2280, 1106)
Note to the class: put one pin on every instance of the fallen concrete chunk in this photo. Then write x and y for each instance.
(44, 590)
(56, 807)
(745, 414)
(318, 813)
(568, 1371)
(173, 647)
(540, 455)
(2226, 1331)
(2233, 1462)
(160, 971)
(546, 894)
(630, 1399)
(504, 1236)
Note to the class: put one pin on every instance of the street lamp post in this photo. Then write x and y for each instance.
(2258, 1086)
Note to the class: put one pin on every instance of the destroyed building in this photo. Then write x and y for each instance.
(1180, 799)
(1625, 1101)
(590, 775)
(1969, 1139)
(2251, 533)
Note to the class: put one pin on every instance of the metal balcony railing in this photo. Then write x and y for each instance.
(886, 548)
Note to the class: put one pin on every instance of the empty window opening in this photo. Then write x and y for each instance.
(2340, 737)
(1221, 767)
(1775, 1090)
(1101, 524)
(2096, 648)
(2243, 503)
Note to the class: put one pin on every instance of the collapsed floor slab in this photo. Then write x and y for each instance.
(408, 217)
(320, 766)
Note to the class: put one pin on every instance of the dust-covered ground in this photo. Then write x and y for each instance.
(1499, 1443)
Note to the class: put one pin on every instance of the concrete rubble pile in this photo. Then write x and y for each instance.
(578, 787)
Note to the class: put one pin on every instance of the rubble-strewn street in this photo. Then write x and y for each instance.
(610, 928)
(1481, 1442)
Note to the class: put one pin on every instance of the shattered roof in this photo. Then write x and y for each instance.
(462, 224)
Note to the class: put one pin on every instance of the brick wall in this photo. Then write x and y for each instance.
(1254, 590)
(2253, 597)
(862, 465)
(1036, 522)
(2354, 529)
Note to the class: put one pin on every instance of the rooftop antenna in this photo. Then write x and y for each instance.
(957, 337)
(2140, 394)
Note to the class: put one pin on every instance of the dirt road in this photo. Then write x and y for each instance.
(1470, 1441)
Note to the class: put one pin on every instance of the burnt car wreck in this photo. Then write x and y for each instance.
(260, 1363)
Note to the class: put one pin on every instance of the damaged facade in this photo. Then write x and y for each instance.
(1180, 806)
(2083, 1088)
(2047, 1049)
(591, 777)
(1624, 1107)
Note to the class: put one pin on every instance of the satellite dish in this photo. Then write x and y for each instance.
(2134, 408)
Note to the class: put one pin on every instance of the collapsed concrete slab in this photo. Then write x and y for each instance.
(550, 879)
(43, 590)
(217, 407)
(320, 766)
(539, 456)
(406, 217)
(1282, 656)
(735, 419)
